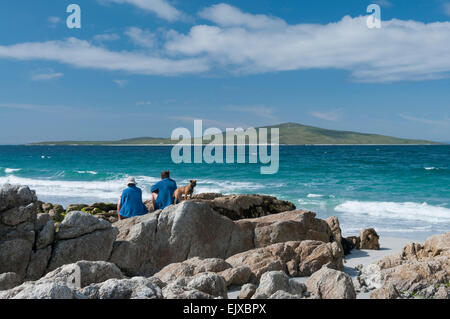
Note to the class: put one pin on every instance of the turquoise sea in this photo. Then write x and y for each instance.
(402, 191)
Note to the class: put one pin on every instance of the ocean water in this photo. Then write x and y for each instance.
(401, 191)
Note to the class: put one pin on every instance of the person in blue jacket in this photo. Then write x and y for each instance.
(130, 203)
(162, 192)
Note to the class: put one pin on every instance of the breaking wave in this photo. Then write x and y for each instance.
(392, 210)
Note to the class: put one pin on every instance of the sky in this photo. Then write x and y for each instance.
(145, 67)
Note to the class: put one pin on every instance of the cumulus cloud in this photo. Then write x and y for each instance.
(400, 50)
(106, 37)
(82, 54)
(259, 111)
(54, 20)
(228, 16)
(245, 43)
(141, 37)
(441, 122)
(161, 8)
(46, 75)
(327, 116)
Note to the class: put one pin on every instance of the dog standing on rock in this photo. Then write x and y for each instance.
(185, 190)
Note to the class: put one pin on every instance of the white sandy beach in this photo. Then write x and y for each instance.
(389, 246)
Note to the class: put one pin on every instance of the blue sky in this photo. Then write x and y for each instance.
(145, 67)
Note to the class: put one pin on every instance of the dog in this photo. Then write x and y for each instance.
(185, 190)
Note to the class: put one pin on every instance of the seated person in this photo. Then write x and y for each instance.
(130, 203)
(162, 192)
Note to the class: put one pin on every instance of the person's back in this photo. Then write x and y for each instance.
(131, 204)
(163, 192)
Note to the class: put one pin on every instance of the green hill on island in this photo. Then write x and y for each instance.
(290, 133)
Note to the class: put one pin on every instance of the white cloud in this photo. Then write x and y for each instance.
(106, 37)
(141, 37)
(46, 75)
(244, 43)
(327, 116)
(441, 122)
(161, 8)
(121, 83)
(259, 111)
(80, 53)
(383, 3)
(400, 50)
(54, 20)
(228, 16)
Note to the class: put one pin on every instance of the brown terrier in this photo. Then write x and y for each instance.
(185, 190)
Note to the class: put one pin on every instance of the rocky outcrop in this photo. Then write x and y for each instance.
(420, 270)
(194, 249)
(209, 283)
(237, 276)
(274, 281)
(82, 237)
(238, 207)
(147, 243)
(9, 280)
(187, 269)
(133, 288)
(331, 284)
(367, 239)
(174, 291)
(17, 228)
(247, 291)
(296, 258)
(65, 282)
(31, 246)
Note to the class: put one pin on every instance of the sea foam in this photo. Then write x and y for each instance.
(12, 170)
(392, 210)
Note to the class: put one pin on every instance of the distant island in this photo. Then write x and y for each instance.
(290, 134)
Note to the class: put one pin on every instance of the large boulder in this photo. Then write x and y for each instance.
(42, 290)
(288, 226)
(65, 282)
(415, 271)
(247, 291)
(77, 224)
(95, 246)
(209, 283)
(238, 207)
(297, 258)
(13, 196)
(9, 280)
(37, 265)
(237, 276)
(369, 239)
(174, 291)
(331, 284)
(133, 288)
(190, 268)
(275, 281)
(17, 228)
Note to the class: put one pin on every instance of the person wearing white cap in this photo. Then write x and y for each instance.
(130, 203)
